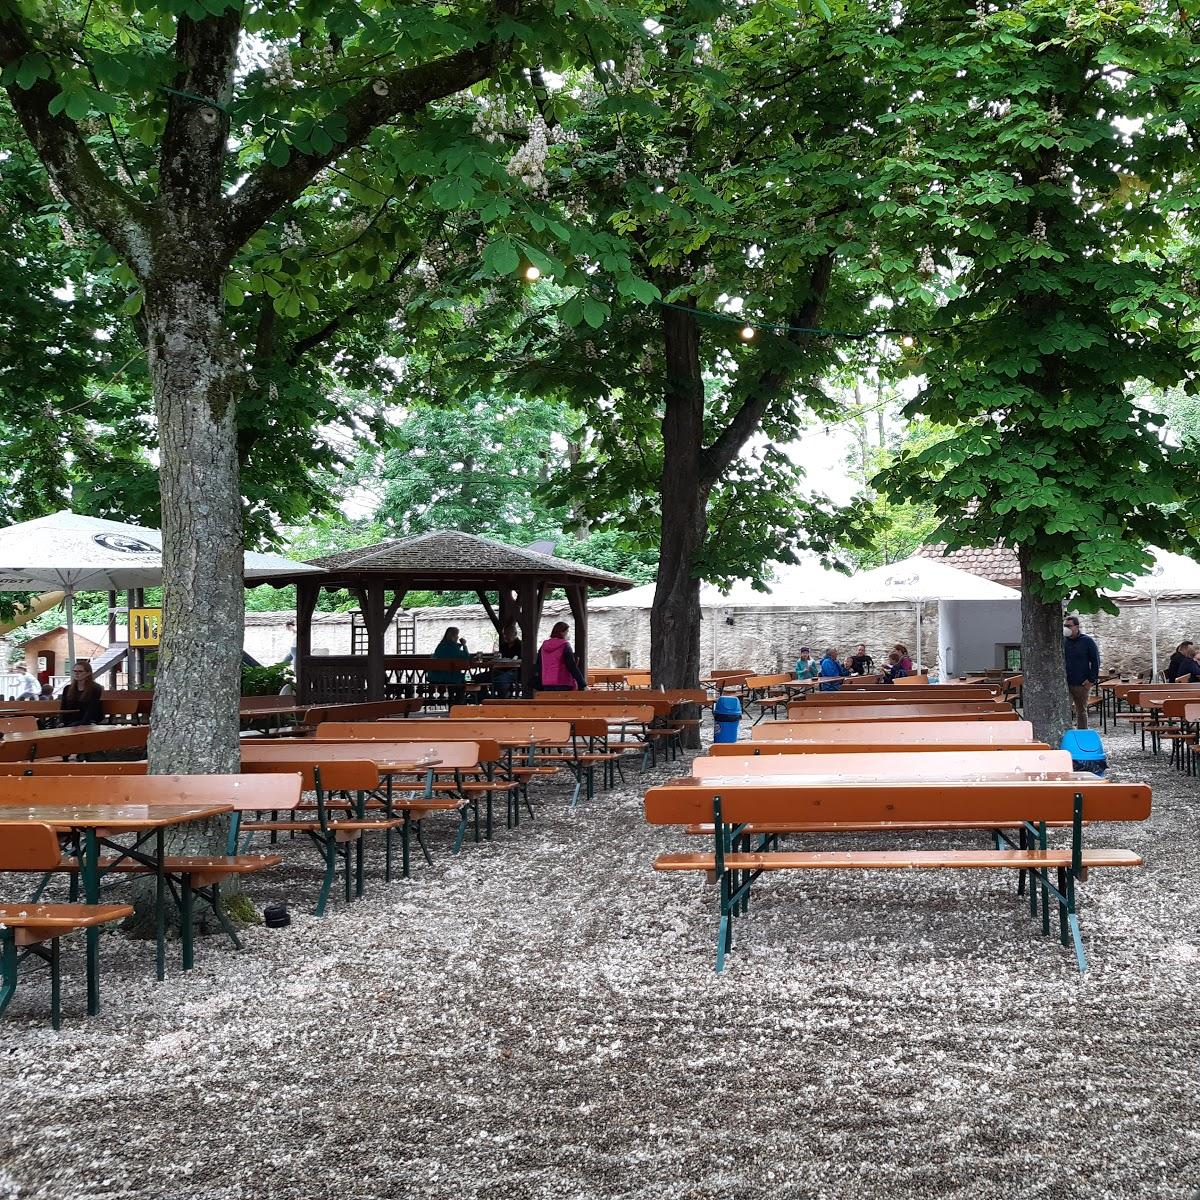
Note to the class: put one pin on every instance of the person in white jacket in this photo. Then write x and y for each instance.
(28, 687)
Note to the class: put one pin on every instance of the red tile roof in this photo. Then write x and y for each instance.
(998, 563)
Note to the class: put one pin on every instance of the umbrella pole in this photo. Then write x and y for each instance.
(1154, 639)
(69, 604)
(918, 671)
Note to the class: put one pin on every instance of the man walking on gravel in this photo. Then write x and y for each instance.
(1082, 660)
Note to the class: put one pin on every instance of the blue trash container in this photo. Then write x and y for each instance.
(727, 713)
(1087, 750)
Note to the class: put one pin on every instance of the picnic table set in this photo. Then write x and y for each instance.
(368, 769)
(923, 760)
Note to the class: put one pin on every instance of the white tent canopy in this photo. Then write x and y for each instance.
(792, 585)
(71, 553)
(919, 580)
(1171, 575)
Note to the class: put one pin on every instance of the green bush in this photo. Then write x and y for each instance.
(266, 681)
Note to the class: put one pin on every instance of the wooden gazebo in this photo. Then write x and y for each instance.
(512, 585)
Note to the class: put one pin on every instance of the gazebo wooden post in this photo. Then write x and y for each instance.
(577, 599)
(306, 603)
(375, 617)
(527, 618)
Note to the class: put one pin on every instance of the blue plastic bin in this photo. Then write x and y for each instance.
(1087, 750)
(727, 713)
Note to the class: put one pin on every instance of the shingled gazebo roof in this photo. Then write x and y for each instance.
(997, 563)
(451, 561)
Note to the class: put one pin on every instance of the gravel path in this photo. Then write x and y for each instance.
(539, 1017)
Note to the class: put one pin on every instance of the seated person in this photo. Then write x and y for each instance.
(807, 666)
(905, 660)
(1182, 667)
(831, 672)
(504, 683)
(81, 698)
(894, 669)
(454, 682)
(861, 663)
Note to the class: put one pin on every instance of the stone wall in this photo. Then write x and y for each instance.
(760, 639)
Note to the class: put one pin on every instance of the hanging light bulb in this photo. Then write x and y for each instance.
(747, 333)
(532, 274)
(908, 341)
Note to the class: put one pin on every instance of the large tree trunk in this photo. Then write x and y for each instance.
(1044, 692)
(675, 615)
(195, 374)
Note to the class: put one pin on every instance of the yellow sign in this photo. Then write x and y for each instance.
(145, 626)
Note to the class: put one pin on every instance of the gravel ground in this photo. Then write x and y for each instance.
(539, 1017)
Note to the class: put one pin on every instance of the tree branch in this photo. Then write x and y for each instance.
(310, 341)
(715, 459)
(192, 158)
(399, 93)
(118, 217)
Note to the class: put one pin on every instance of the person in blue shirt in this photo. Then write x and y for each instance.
(831, 672)
(1081, 658)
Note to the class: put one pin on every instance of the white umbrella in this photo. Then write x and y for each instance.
(72, 553)
(1171, 575)
(791, 585)
(917, 580)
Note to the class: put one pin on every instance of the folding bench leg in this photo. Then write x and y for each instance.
(421, 842)
(329, 849)
(1073, 925)
(8, 967)
(186, 931)
(462, 828)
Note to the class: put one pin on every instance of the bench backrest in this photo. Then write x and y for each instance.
(755, 682)
(888, 695)
(443, 731)
(453, 755)
(333, 775)
(895, 733)
(282, 791)
(53, 743)
(28, 847)
(968, 711)
(675, 696)
(374, 710)
(1181, 708)
(141, 767)
(774, 749)
(643, 713)
(18, 725)
(126, 706)
(1004, 802)
(597, 704)
(898, 765)
(1152, 697)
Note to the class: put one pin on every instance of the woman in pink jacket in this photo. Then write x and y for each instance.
(556, 666)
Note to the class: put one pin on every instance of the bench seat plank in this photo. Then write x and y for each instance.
(898, 859)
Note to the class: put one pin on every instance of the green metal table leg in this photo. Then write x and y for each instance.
(160, 907)
(8, 967)
(91, 895)
(55, 986)
(186, 932)
(406, 845)
(329, 849)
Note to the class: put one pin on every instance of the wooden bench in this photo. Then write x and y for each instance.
(964, 710)
(1029, 805)
(82, 739)
(188, 875)
(766, 692)
(886, 695)
(894, 732)
(890, 746)
(460, 769)
(372, 710)
(24, 928)
(17, 725)
(549, 745)
(331, 836)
